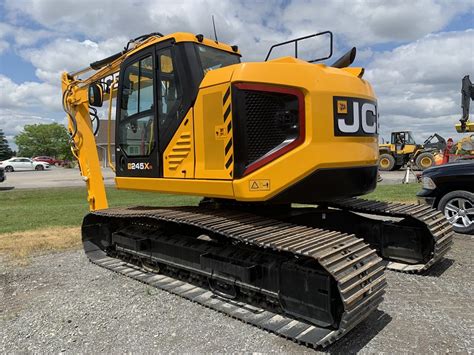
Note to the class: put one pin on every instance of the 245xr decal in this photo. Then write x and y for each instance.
(355, 116)
(139, 166)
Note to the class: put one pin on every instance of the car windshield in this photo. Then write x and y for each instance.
(213, 58)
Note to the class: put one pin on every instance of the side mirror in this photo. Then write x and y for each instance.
(95, 95)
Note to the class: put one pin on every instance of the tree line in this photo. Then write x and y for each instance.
(38, 139)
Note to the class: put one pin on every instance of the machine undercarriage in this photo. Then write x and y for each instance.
(308, 274)
(307, 284)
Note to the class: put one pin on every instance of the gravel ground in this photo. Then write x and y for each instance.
(61, 302)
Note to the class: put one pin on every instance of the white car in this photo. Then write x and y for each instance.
(18, 163)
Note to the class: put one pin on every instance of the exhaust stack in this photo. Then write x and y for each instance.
(346, 60)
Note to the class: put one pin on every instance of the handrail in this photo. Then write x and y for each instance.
(296, 40)
(109, 120)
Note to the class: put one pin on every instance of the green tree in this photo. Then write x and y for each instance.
(5, 151)
(44, 139)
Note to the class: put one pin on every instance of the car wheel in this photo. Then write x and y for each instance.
(39, 167)
(9, 169)
(386, 162)
(458, 207)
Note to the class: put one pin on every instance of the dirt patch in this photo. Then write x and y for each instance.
(18, 247)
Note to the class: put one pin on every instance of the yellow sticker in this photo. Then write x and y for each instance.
(341, 106)
(220, 131)
(259, 185)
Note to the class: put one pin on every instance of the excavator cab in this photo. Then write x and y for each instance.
(189, 113)
(157, 87)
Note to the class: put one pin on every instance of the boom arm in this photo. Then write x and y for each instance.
(467, 94)
(76, 105)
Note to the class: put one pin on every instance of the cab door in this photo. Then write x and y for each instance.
(137, 151)
(398, 140)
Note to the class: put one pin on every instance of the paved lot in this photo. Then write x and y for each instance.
(56, 177)
(60, 302)
(396, 177)
(60, 177)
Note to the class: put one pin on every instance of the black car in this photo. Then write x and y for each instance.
(2, 175)
(450, 189)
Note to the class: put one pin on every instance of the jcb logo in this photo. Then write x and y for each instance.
(139, 166)
(355, 117)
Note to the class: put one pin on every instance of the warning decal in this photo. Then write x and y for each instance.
(259, 185)
(221, 132)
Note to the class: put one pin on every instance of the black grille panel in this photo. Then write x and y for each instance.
(264, 121)
(264, 132)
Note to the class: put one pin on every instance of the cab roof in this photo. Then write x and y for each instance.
(185, 37)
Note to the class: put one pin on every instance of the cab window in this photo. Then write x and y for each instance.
(136, 131)
(410, 139)
(170, 90)
(213, 58)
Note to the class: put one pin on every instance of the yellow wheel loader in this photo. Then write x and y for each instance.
(251, 138)
(403, 149)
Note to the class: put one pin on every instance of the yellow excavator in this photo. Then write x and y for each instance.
(467, 94)
(252, 139)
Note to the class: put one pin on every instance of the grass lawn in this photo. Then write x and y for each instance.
(395, 193)
(46, 220)
(22, 210)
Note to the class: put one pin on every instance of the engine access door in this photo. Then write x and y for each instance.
(137, 152)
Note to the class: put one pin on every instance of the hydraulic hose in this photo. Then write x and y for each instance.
(71, 117)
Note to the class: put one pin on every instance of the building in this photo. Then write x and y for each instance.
(138, 140)
(101, 142)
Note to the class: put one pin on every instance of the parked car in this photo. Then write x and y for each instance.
(19, 163)
(49, 160)
(450, 189)
(2, 175)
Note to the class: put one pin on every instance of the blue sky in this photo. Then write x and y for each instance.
(415, 53)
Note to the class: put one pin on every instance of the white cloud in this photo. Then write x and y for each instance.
(20, 36)
(4, 45)
(433, 60)
(418, 84)
(12, 121)
(29, 95)
(367, 22)
(365, 54)
(68, 55)
(254, 25)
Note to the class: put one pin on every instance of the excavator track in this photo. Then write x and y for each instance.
(119, 240)
(411, 240)
(434, 222)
